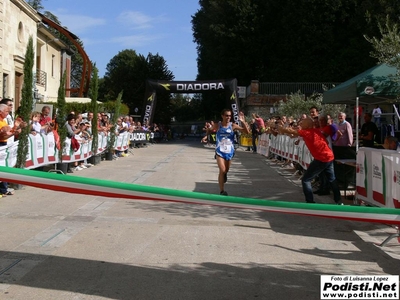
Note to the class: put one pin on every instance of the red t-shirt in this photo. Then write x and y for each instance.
(316, 143)
(328, 130)
(44, 120)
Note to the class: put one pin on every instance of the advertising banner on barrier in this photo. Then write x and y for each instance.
(42, 150)
(361, 177)
(122, 142)
(139, 136)
(393, 179)
(377, 177)
(377, 170)
(8, 155)
(263, 144)
(51, 148)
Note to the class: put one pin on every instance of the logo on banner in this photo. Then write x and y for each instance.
(39, 145)
(359, 287)
(151, 98)
(369, 90)
(376, 172)
(165, 86)
(396, 177)
(200, 86)
(235, 112)
(147, 113)
(360, 169)
(138, 136)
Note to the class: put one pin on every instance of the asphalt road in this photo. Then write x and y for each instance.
(55, 245)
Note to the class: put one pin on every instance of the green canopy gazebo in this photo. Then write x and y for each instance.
(376, 85)
(380, 84)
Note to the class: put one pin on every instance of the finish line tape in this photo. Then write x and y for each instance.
(106, 188)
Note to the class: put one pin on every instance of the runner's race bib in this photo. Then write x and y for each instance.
(225, 146)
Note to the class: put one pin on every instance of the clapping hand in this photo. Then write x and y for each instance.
(241, 117)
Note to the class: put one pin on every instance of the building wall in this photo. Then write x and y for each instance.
(19, 22)
(263, 105)
(48, 59)
(1, 45)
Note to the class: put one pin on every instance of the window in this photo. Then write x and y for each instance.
(20, 32)
(5, 86)
(53, 57)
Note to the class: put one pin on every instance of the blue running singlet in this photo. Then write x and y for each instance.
(225, 137)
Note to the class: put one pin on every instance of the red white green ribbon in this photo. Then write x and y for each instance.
(106, 188)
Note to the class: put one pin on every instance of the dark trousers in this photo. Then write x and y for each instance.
(253, 140)
(3, 185)
(315, 168)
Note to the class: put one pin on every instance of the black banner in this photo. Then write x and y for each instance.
(149, 106)
(190, 87)
(139, 136)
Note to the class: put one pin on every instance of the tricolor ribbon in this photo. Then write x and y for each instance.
(106, 188)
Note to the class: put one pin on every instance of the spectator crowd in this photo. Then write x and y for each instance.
(329, 138)
(79, 129)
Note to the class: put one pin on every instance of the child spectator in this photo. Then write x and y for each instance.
(36, 128)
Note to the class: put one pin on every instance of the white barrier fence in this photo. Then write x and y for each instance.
(378, 177)
(377, 171)
(42, 150)
(285, 147)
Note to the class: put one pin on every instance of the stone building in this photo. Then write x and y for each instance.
(18, 22)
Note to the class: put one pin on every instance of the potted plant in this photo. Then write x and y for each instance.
(25, 108)
(61, 119)
(111, 141)
(94, 159)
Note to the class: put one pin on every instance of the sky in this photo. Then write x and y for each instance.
(146, 26)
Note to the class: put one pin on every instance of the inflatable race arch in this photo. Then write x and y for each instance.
(189, 87)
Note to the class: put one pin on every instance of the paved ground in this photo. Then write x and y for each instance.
(63, 246)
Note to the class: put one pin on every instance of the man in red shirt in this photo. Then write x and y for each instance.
(45, 119)
(323, 159)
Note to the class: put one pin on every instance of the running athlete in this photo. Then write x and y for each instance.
(224, 150)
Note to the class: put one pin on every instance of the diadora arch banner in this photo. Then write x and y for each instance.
(229, 87)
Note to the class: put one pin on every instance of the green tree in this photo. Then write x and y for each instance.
(387, 48)
(61, 115)
(297, 104)
(128, 71)
(26, 104)
(36, 4)
(290, 41)
(114, 118)
(94, 90)
(186, 108)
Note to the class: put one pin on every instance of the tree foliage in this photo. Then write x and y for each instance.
(387, 48)
(61, 117)
(114, 118)
(288, 41)
(129, 71)
(186, 108)
(94, 90)
(26, 104)
(297, 104)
